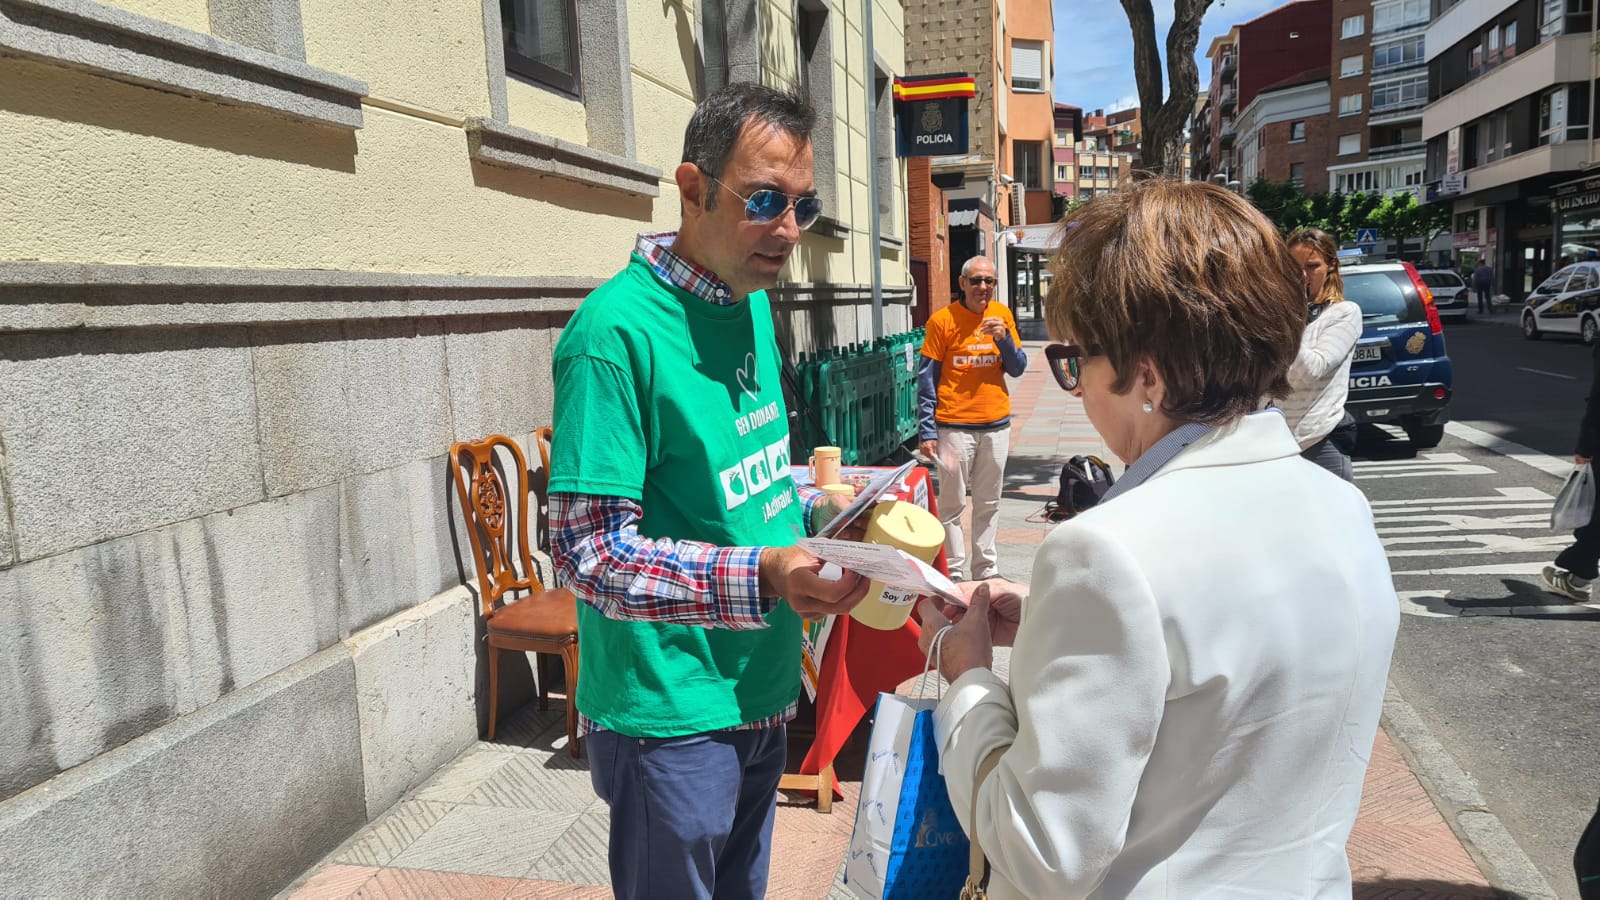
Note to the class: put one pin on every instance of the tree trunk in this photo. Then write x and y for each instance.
(1161, 150)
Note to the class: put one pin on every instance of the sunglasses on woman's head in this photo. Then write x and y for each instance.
(765, 205)
(1066, 362)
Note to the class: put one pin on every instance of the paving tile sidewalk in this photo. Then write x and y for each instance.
(517, 817)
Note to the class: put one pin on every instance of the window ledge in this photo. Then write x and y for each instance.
(829, 227)
(889, 242)
(128, 47)
(498, 144)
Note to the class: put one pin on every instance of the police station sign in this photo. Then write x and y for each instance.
(931, 114)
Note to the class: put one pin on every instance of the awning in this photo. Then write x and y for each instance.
(1035, 238)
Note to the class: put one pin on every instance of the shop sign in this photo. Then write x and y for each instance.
(1452, 184)
(1467, 240)
(1578, 194)
(930, 114)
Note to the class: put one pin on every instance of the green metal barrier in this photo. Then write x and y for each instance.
(861, 398)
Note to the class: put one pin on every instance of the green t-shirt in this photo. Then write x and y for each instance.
(664, 398)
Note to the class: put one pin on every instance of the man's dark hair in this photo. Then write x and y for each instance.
(717, 122)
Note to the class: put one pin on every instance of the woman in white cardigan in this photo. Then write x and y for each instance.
(1200, 665)
(1319, 379)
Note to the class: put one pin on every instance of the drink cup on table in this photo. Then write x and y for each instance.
(825, 466)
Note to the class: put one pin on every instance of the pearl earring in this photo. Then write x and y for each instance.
(1148, 408)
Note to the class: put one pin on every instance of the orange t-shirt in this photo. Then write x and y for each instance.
(972, 383)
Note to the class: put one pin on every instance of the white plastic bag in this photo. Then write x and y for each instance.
(1574, 506)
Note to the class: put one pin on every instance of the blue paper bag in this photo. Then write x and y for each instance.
(907, 842)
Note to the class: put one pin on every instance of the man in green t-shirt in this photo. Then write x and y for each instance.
(673, 516)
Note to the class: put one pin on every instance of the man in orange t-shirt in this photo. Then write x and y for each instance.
(965, 412)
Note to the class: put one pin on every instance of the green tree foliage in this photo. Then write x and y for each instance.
(1342, 215)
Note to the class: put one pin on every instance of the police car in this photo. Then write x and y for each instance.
(1450, 291)
(1400, 374)
(1568, 302)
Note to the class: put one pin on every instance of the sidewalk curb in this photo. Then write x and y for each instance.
(1455, 793)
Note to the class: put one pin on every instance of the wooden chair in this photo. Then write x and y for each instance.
(545, 621)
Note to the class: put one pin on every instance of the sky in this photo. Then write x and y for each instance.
(1094, 47)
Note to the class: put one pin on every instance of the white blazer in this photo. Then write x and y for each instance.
(1195, 687)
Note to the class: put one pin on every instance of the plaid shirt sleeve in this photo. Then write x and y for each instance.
(810, 497)
(600, 554)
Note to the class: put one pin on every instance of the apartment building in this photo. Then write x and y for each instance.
(1069, 131)
(264, 263)
(1507, 121)
(1005, 178)
(1282, 46)
(1380, 86)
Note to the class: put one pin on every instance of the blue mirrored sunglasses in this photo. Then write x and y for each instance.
(765, 205)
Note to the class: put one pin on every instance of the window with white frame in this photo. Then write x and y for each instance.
(1350, 105)
(1405, 92)
(1061, 137)
(1353, 26)
(1552, 18)
(1397, 53)
(1349, 143)
(1553, 116)
(1061, 173)
(1403, 14)
(1350, 66)
(1027, 65)
(1354, 182)
(1297, 131)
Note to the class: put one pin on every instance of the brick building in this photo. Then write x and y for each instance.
(1069, 130)
(1283, 46)
(1283, 133)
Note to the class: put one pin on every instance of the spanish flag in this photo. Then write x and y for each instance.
(934, 87)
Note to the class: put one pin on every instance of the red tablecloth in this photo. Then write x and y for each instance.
(860, 662)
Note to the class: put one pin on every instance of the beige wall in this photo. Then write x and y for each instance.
(144, 177)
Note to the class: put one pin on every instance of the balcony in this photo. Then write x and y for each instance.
(1225, 139)
(1392, 150)
(1229, 101)
(1230, 64)
(1403, 111)
(1563, 60)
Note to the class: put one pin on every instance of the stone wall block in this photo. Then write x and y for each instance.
(110, 433)
(415, 686)
(338, 400)
(397, 535)
(260, 590)
(235, 800)
(500, 375)
(8, 546)
(92, 645)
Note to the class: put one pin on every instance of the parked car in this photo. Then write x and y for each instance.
(1450, 291)
(1401, 374)
(1568, 302)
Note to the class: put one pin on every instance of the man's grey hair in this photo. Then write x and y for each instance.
(717, 122)
(966, 267)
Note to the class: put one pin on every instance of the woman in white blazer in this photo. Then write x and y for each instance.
(1200, 664)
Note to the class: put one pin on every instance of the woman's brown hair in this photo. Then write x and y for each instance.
(1322, 244)
(1190, 277)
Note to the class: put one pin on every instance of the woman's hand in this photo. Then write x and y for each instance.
(1005, 607)
(969, 645)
